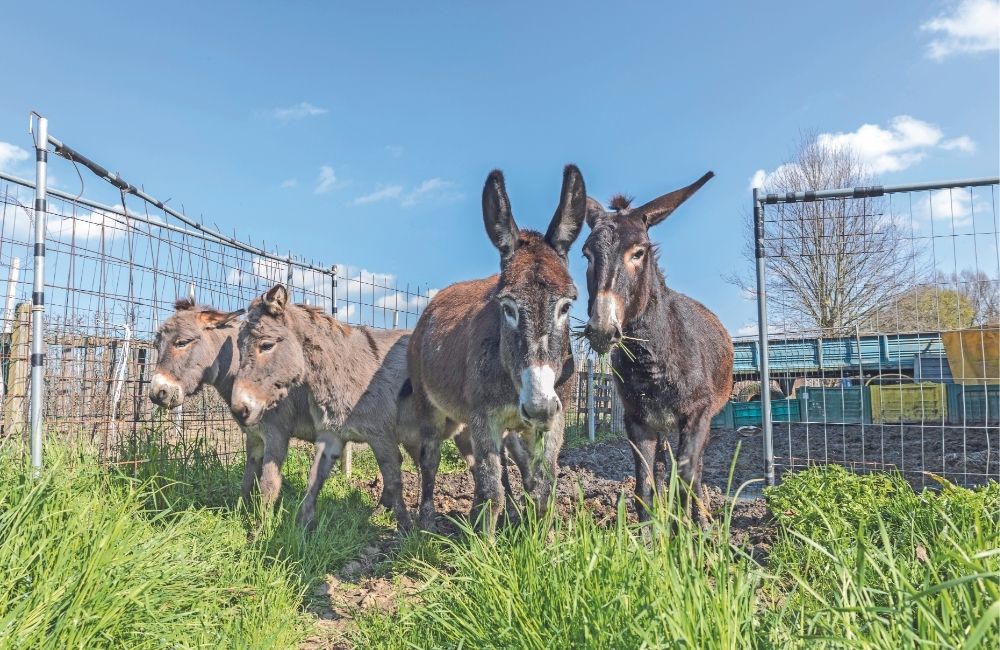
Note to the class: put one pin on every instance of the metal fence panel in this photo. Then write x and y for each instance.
(113, 272)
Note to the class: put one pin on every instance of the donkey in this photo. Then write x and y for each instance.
(676, 368)
(352, 378)
(196, 347)
(494, 354)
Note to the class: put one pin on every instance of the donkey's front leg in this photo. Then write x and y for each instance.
(693, 439)
(329, 446)
(487, 438)
(255, 463)
(644, 453)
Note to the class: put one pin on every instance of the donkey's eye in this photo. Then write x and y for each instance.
(510, 312)
(636, 256)
(564, 309)
(266, 346)
(183, 343)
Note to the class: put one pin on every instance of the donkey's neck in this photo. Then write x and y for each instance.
(227, 361)
(340, 362)
(645, 330)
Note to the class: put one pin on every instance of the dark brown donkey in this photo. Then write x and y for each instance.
(495, 353)
(197, 347)
(677, 368)
(352, 377)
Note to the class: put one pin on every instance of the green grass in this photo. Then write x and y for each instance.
(845, 572)
(159, 555)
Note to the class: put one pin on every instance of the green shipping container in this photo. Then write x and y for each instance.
(724, 418)
(849, 405)
(974, 404)
(748, 413)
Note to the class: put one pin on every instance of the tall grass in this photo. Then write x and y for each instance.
(573, 584)
(866, 562)
(860, 562)
(160, 554)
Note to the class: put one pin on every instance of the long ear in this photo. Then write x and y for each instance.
(568, 220)
(659, 209)
(276, 299)
(497, 217)
(213, 320)
(595, 212)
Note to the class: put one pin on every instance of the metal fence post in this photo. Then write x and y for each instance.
(347, 458)
(765, 371)
(590, 399)
(38, 294)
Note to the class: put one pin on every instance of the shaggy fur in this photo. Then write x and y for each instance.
(352, 377)
(681, 373)
(197, 347)
(466, 357)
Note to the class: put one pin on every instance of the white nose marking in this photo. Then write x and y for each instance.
(537, 382)
(245, 398)
(160, 381)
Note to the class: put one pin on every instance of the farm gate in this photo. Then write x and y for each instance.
(878, 330)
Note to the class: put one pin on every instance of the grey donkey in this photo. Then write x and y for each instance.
(196, 347)
(352, 378)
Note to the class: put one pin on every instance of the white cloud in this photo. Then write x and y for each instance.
(957, 207)
(381, 193)
(326, 180)
(299, 111)
(10, 154)
(399, 300)
(903, 143)
(972, 26)
(394, 150)
(961, 143)
(432, 189)
(763, 178)
(291, 182)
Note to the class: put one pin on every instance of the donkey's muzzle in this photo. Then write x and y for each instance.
(540, 414)
(165, 392)
(246, 407)
(602, 335)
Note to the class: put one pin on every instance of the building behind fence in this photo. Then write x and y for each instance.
(910, 383)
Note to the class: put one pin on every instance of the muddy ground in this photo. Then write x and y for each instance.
(602, 472)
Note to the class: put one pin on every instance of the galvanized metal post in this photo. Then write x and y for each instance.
(347, 456)
(590, 399)
(38, 294)
(765, 371)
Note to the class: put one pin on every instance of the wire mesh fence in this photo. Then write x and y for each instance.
(882, 325)
(113, 272)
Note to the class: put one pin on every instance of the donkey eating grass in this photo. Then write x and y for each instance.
(495, 354)
(196, 346)
(673, 359)
(352, 377)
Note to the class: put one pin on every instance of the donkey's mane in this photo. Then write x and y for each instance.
(621, 202)
(187, 304)
(317, 316)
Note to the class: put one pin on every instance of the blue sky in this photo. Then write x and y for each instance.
(363, 133)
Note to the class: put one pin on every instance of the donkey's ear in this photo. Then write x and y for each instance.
(184, 304)
(497, 217)
(212, 319)
(660, 208)
(276, 299)
(568, 219)
(595, 212)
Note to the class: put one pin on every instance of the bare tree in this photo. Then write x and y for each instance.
(982, 293)
(830, 264)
